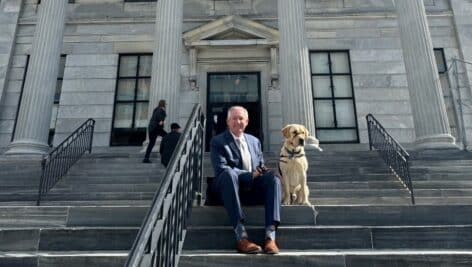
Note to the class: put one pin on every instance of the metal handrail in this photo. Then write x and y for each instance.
(57, 162)
(457, 99)
(394, 155)
(162, 232)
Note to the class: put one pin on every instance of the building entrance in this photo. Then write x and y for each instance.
(230, 89)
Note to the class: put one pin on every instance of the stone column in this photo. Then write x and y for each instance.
(295, 75)
(38, 96)
(166, 61)
(427, 102)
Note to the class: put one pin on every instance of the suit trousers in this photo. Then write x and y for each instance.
(234, 190)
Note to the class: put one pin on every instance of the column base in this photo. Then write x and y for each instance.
(27, 147)
(433, 142)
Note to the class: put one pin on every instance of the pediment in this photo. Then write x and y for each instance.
(231, 30)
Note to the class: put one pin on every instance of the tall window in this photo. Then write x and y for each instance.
(57, 97)
(333, 97)
(446, 89)
(131, 99)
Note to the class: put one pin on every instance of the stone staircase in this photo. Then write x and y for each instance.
(362, 216)
(90, 218)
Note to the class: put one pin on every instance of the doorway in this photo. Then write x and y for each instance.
(230, 89)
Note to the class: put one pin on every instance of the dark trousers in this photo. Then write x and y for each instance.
(152, 140)
(234, 190)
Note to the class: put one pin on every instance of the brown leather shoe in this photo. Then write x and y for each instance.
(270, 247)
(247, 247)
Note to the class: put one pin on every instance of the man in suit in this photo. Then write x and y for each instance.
(241, 177)
(169, 142)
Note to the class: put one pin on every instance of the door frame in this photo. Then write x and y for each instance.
(259, 104)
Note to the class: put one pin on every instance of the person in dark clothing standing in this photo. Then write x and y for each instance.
(156, 127)
(169, 142)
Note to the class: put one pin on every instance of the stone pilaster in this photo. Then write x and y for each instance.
(9, 14)
(295, 76)
(166, 61)
(427, 102)
(32, 128)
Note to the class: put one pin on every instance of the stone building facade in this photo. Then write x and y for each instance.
(325, 64)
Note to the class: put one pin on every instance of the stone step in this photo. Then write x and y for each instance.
(18, 196)
(393, 184)
(67, 216)
(361, 193)
(335, 177)
(330, 201)
(315, 177)
(61, 259)
(118, 164)
(440, 177)
(339, 237)
(329, 258)
(342, 215)
(87, 203)
(92, 187)
(442, 184)
(67, 239)
(389, 192)
(386, 201)
(78, 180)
(114, 172)
(87, 196)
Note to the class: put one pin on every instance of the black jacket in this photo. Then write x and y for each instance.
(158, 115)
(168, 144)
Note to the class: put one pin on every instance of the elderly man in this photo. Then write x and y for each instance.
(239, 167)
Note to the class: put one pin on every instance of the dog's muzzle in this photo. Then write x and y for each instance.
(302, 142)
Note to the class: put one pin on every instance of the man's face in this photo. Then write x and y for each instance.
(237, 122)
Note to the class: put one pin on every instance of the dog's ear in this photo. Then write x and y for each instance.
(286, 131)
(305, 131)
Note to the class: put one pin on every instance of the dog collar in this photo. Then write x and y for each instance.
(292, 154)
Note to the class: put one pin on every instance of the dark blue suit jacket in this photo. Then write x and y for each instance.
(225, 153)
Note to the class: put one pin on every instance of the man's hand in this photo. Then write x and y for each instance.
(261, 170)
(256, 173)
(161, 123)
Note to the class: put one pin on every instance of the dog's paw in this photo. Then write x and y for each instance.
(286, 201)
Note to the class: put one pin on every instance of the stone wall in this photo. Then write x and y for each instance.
(96, 33)
(88, 91)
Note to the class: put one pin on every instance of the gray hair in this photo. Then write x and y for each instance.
(231, 109)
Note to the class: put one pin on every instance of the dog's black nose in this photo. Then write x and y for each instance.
(302, 142)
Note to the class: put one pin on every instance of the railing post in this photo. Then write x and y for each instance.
(41, 179)
(410, 183)
(368, 131)
(91, 136)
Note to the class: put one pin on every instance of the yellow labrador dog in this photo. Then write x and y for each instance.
(293, 164)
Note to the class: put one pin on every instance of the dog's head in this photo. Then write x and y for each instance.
(295, 135)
